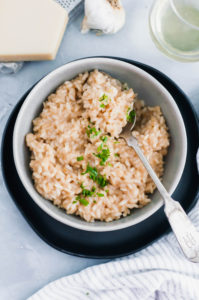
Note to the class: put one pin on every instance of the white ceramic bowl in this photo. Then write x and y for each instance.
(148, 89)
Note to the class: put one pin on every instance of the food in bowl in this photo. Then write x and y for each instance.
(78, 160)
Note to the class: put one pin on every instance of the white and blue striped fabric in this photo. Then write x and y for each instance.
(159, 272)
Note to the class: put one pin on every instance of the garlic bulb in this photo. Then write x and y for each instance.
(107, 16)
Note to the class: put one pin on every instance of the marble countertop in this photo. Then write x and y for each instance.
(26, 262)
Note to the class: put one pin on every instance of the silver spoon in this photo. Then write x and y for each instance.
(184, 230)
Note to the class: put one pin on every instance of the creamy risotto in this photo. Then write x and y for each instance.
(78, 160)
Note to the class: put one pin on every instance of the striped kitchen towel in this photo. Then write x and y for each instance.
(159, 272)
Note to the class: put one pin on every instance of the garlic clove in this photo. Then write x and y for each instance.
(107, 16)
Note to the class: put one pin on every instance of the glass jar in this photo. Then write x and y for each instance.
(174, 27)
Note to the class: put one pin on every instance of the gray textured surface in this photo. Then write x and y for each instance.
(26, 262)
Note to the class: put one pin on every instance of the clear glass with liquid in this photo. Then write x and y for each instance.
(174, 26)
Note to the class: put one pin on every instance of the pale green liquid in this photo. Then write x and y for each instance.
(177, 34)
(189, 14)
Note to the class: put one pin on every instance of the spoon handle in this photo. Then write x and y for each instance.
(185, 232)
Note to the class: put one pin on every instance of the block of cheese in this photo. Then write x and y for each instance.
(30, 29)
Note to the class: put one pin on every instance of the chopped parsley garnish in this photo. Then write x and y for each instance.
(82, 200)
(117, 154)
(94, 201)
(92, 172)
(95, 176)
(109, 164)
(86, 192)
(100, 195)
(107, 191)
(130, 116)
(102, 181)
(103, 155)
(104, 139)
(116, 142)
(92, 132)
(75, 201)
(79, 158)
(102, 105)
(99, 148)
(104, 99)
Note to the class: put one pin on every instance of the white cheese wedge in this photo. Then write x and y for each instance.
(30, 29)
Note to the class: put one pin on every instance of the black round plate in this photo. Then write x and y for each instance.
(115, 243)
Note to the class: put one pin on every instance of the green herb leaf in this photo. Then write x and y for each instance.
(94, 201)
(102, 105)
(102, 181)
(104, 139)
(88, 193)
(100, 195)
(92, 132)
(103, 153)
(100, 148)
(75, 201)
(79, 158)
(107, 191)
(116, 142)
(130, 116)
(93, 189)
(95, 176)
(92, 172)
(84, 201)
(103, 98)
(103, 156)
(84, 193)
(116, 154)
